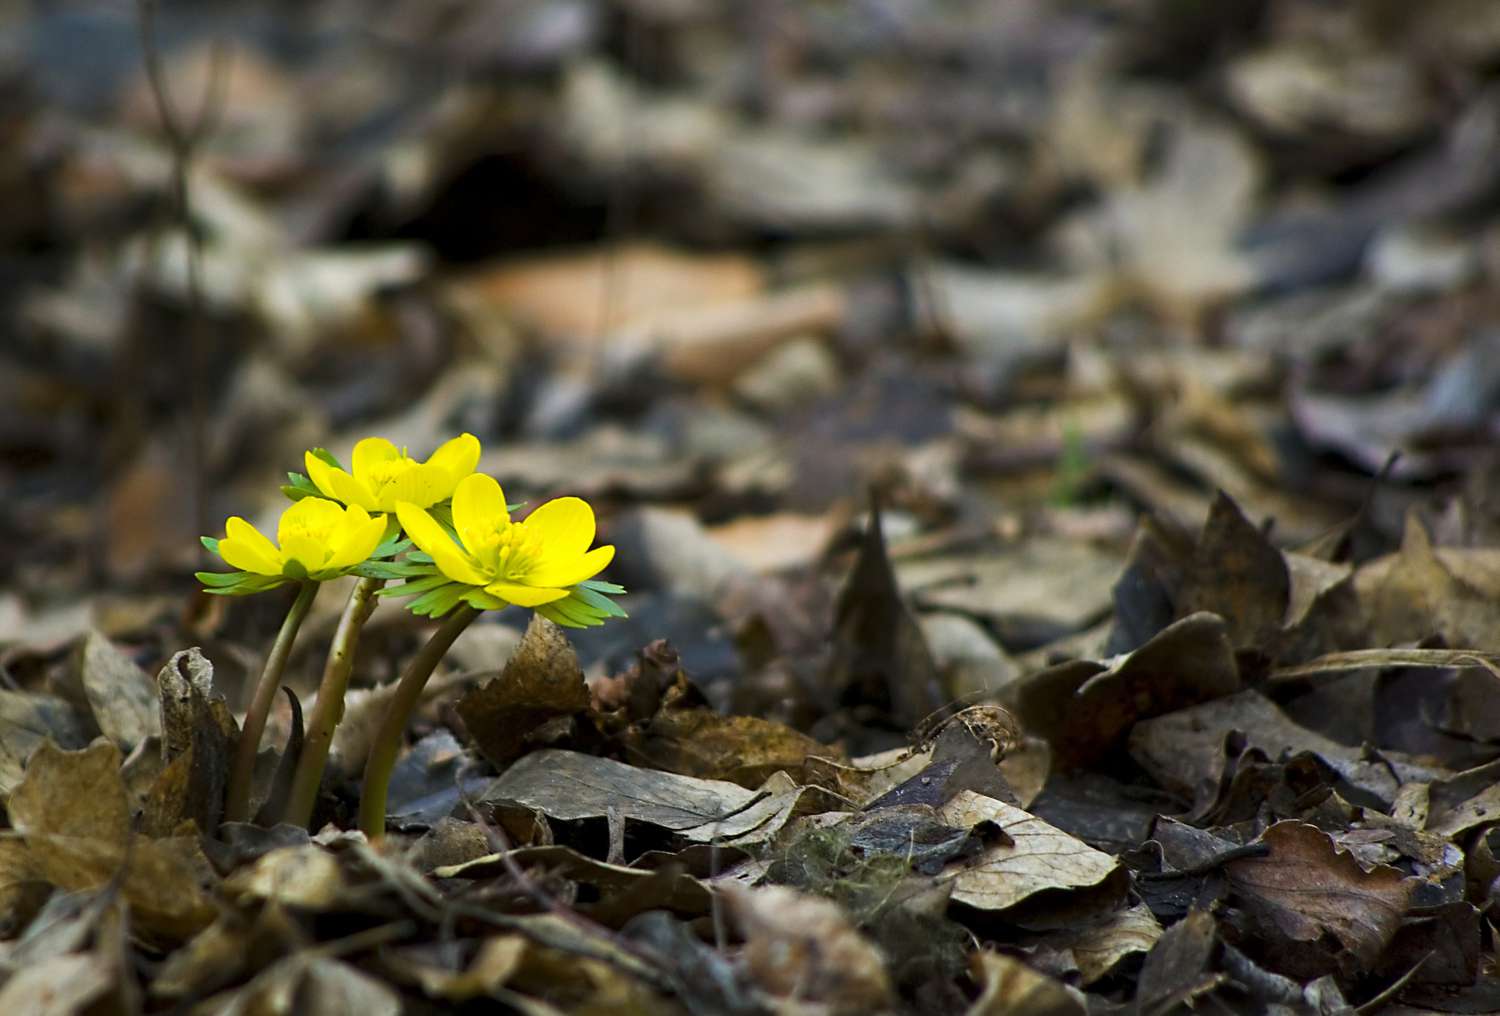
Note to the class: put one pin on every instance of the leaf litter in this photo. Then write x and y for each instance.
(1161, 678)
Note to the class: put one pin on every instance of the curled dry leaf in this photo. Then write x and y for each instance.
(1037, 858)
(198, 735)
(541, 681)
(1085, 708)
(1098, 947)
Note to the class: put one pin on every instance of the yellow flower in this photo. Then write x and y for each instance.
(319, 540)
(385, 475)
(527, 563)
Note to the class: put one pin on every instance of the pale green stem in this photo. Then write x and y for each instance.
(242, 773)
(387, 744)
(328, 710)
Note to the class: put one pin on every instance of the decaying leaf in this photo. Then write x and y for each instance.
(198, 735)
(1312, 907)
(700, 742)
(880, 659)
(623, 891)
(541, 681)
(310, 983)
(1038, 857)
(1236, 574)
(121, 694)
(801, 947)
(28, 721)
(568, 786)
(1011, 988)
(71, 810)
(1084, 708)
(305, 876)
(1098, 947)
(1179, 969)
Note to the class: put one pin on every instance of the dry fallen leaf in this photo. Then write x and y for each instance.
(72, 811)
(1039, 857)
(541, 681)
(1011, 988)
(799, 947)
(1313, 908)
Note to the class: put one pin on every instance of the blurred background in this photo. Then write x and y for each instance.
(1029, 269)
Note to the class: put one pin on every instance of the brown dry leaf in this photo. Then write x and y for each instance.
(1305, 896)
(803, 948)
(963, 755)
(781, 801)
(1236, 574)
(1419, 593)
(27, 721)
(494, 963)
(58, 986)
(622, 892)
(1038, 590)
(305, 876)
(1184, 751)
(23, 890)
(567, 785)
(776, 542)
(1176, 232)
(308, 983)
(122, 695)
(1011, 988)
(700, 742)
(1039, 857)
(72, 811)
(1084, 709)
(880, 661)
(541, 681)
(1098, 947)
(198, 736)
(1181, 967)
(563, 297)
(862, 780)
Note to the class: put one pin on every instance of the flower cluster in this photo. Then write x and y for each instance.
(468, 549)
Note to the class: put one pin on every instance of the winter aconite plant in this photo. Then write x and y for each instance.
(447, 533)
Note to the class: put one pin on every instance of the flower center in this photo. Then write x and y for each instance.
(298, 534)
(506, 549)
(383, 474)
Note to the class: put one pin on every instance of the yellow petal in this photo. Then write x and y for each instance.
(478, 503)
(565, 526)
(457, 458)
(433, 540)
(369, 453)
(524, 596)
(552, 570)
(312, 516)
(420, 485)
(337, 484)
(356, 539)
(244, 547)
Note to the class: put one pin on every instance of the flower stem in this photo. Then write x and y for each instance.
(241, 774)
(387, 743)
(328, 709)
